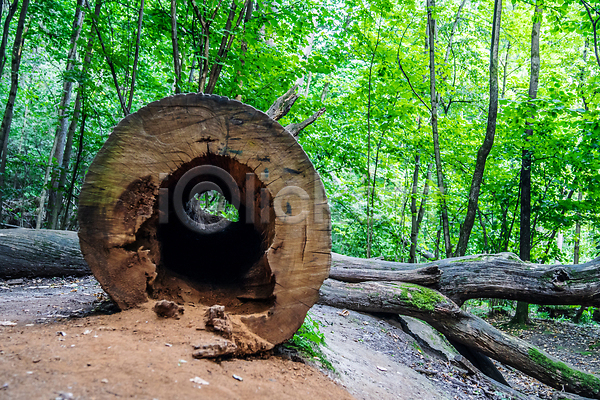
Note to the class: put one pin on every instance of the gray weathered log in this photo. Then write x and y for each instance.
(283, 104)
(28, 253)
(447, 317)
(502, 276)
(295, 129)
(425, 276)
(495, 276)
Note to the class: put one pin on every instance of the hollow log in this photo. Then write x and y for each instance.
(447, 317)
(31, 253)
(501, 276)
(141, 242)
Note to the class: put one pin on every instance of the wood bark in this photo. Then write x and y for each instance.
(54, 199)
(283, 104)
(460, 326)
(488, 141)
(139, 247)
(34, 253)
(433, 95)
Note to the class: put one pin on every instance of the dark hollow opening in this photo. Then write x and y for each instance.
(228, 257)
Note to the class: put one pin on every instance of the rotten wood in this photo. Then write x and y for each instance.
(266, 267)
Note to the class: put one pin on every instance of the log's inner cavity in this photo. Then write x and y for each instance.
(221, 259)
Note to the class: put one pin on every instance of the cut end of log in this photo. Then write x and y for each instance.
(141, 242)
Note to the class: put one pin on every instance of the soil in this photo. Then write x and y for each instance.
(62, 339)
(576, 344)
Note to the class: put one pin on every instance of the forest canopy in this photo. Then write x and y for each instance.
(409, 93)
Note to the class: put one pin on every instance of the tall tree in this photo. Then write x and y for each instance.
(12, 96)
(413, 212)
(488, 141)
(75, 119)
(54, 198)
(434, 99)
(522, 313)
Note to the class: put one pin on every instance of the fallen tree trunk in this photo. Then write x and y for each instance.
(447, 317)
(501, 276)
(31, 253)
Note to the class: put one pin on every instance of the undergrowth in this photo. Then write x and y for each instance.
(308, 341)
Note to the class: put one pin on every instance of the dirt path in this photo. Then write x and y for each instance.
(60, 338)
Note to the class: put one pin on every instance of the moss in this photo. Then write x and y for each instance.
(420, 297)
(569, 374)
(465, 260)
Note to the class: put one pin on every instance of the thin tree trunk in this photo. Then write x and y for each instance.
(2, 170)
(488, 142)
(74, 176)
(42, 199)
(108, 60)
(369, 222)
(413, 212)
(136, 57)
(449, 48)
(11, 13)
(505, 70)
(522, 313)
(75, 119)
(176, 60)
(14, 87)
(485, 237)
(226, 42)
(424, 199)
(577, 233)
(54, 198)
(434, 128)
(205, 24)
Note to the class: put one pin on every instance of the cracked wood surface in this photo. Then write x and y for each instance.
(148, 151)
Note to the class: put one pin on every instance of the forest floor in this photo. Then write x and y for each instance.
(61, 339)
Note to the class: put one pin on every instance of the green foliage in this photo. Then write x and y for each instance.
(308, 341)
(345, 56)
